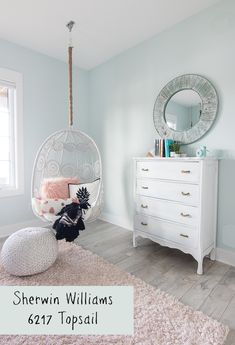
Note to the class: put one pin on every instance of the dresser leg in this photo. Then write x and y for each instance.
(134, 241)
(212, 254)
(200, 266)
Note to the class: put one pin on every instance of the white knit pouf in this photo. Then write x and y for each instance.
(29, 251)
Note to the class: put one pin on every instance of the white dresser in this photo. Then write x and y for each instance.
(176, 204)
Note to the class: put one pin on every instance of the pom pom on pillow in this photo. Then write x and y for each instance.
(56, 188)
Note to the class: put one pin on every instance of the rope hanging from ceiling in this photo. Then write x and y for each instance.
(67, 160)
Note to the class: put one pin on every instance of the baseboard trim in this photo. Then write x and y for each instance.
(8, 230)
(225, 256)
(222, 255)
(125, 223)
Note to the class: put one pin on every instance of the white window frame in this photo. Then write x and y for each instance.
(17, 79)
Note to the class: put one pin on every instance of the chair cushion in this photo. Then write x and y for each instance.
(49, 206)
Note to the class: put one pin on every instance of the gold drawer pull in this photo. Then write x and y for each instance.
(143, 169)
(144, 187)
(144, 206)
(185, 194)
(185, 171)
(145, 224)
(185, 214)
(183, 235)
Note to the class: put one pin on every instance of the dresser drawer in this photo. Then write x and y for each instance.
(177, 233)
(176, 212)
(169, 170)
(180, 192)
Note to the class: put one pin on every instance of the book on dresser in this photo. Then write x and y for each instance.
(175, 202)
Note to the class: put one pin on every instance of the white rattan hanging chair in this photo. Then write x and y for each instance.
(68, 156)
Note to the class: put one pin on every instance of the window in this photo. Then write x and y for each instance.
(11, 153)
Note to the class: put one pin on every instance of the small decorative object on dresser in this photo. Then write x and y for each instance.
(201, 152)
(176, 204)
(174, 148)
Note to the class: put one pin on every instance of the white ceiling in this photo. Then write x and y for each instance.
(104, 28)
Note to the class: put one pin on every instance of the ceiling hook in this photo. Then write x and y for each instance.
(70, 25)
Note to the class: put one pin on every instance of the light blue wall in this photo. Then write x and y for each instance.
(122, 95)
(44, 111)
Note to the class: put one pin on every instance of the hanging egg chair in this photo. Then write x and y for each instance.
(67, 160)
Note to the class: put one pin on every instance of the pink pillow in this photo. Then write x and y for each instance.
(53, 188)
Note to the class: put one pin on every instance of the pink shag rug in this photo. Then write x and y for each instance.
(159, 318)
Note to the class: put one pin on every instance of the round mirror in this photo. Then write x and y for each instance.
(183, 110)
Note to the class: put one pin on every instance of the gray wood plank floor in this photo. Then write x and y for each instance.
(167, 269)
